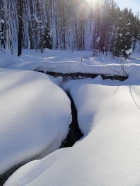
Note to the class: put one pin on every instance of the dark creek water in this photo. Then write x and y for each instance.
(74, 133)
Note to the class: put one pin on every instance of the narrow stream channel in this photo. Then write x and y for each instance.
(74, 133)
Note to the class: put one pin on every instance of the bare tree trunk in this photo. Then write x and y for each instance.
(8, 29)
(20, 29)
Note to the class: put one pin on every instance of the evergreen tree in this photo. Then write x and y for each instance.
(2, 45)
(123, 41)
(46, 38)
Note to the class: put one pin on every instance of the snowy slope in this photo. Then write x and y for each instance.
(110, 153)
(32, 118)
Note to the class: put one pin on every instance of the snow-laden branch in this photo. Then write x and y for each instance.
(36, 18)
(2, 21)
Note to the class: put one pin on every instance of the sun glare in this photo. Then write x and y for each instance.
(85, 6)
(93, 4)
(93, 1)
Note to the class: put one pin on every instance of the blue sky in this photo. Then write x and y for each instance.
(133, 4)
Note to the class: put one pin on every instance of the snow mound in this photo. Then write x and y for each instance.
(34, 116)
(38, 167)
(109, 155)
(7, 59)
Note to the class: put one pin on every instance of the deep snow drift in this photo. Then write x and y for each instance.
(34, 116)
(109, 155)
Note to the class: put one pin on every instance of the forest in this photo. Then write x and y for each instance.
(75, 25)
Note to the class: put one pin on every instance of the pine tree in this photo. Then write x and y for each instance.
(124, 40)
(2, 45)
(46, 38)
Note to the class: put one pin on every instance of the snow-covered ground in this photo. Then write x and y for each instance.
(69, 62)
(32, 118)
(109, 154)
(108, 116)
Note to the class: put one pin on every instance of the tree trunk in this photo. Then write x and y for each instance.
(8, 29)
(20, 29)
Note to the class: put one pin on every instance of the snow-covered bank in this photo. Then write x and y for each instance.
(34, 116)
(109, 154)
(68, 62)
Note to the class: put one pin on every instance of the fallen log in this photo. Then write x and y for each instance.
(79, 75)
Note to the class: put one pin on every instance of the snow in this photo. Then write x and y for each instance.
(129, 51)
(36, 18)
(40, 166)
(68, 62)
(98, 39)
(32, 119)
(2, 21)
(7, 59)
(108, 115)
(77, 86)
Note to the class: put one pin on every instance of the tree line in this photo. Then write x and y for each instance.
(68, 24)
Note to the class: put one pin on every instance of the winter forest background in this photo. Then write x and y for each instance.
(68, 24)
